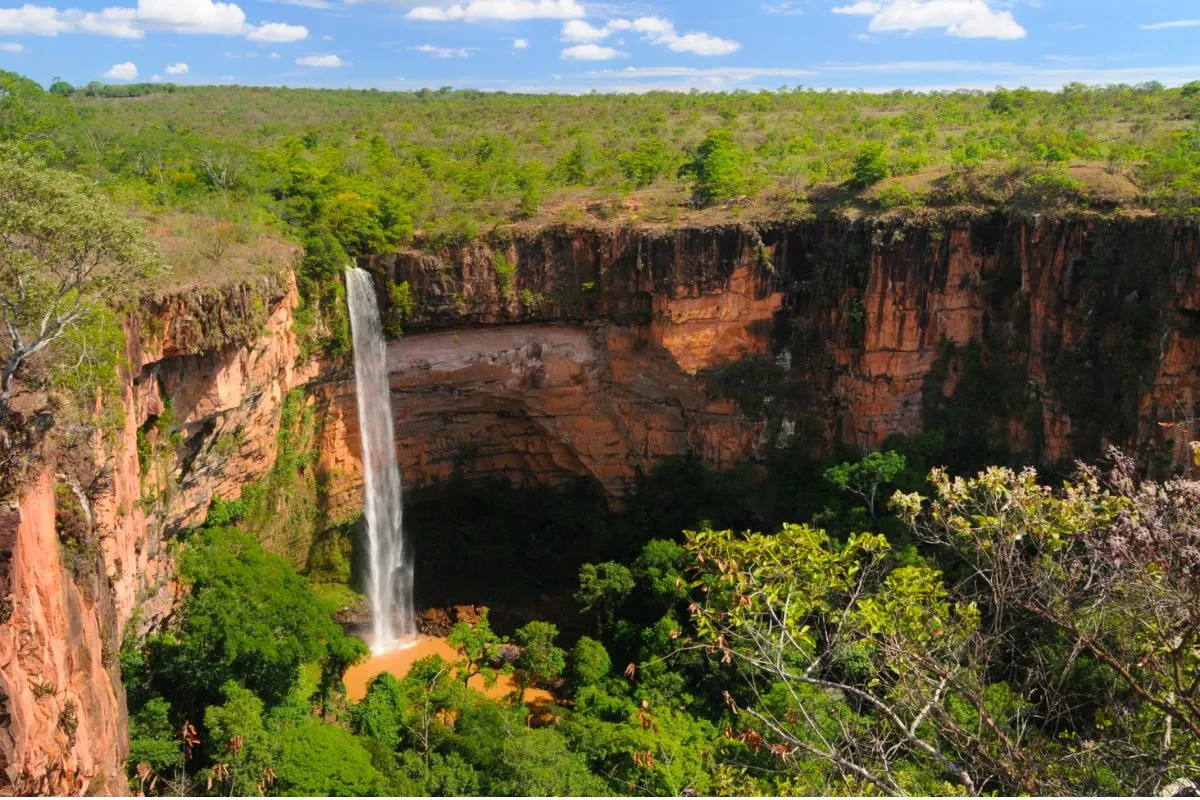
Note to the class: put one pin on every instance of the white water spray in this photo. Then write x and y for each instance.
(390, 572)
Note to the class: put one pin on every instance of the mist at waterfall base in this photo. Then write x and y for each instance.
(389, 566)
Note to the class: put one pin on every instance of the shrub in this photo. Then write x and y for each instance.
(894, 196)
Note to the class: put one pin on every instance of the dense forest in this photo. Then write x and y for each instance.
(880, 624)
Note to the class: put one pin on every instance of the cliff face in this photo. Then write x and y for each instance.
(544, 356)
(1048, 340)
(608, 389)
(210, 364)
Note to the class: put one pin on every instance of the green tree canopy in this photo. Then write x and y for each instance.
(248, 618)
(540, 658)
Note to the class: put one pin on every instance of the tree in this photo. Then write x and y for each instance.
(238, 743)
(866, 477)
(648, 161)
(539, 764)
(719, 168)
(478, 646)
(61, 88)
(816, 628)
(65, 251)
(408, 711)
(1111, 564)
(540, 658)
(324, 761)
(588, 664)
(603, 589)
(870, 166)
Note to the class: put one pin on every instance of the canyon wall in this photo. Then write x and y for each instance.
(1042, 339)
(542, 356)
(202, 365)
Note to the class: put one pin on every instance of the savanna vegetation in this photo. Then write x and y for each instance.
(346, 173)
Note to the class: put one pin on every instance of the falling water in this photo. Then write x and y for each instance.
(389, 579)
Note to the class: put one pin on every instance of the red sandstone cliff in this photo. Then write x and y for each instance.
(546, 355)
(63, 728)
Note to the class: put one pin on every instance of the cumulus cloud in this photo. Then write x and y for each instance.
(122, 22)
(191, 16)
(277, 32)
(178, 69)
(12, 47)
(521, 44)
(592, 52)
(442, 52)
(122, 72)
(655, 30)
(499, 10)
(329, 60)
(971, 19)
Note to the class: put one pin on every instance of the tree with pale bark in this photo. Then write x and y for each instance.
(1049, 643)
(65, 253)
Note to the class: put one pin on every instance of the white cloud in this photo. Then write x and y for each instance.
(32, 21)
(442, 52)
(578, 30)
(12, 47)
(307, 3)
(274, 56)
(521, 44)
(329, 60)
(156, 78)
(120, 23)
(122, 72)
(277, 32)
(971, 19)
(500, 10)
(592, 52)
(178, 69)
(327, 38)
(1175, 23)
(175, 16)
(191, 16)
(655, 30)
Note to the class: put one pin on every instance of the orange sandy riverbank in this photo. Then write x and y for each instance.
(398, 662)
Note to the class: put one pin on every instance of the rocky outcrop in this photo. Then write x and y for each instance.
(490, 390)
(1048, 340)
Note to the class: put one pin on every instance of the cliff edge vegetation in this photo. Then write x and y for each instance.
(351, 173)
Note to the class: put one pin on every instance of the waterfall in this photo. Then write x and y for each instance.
(390, 571)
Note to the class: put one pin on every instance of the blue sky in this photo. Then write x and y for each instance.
(581, 45)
